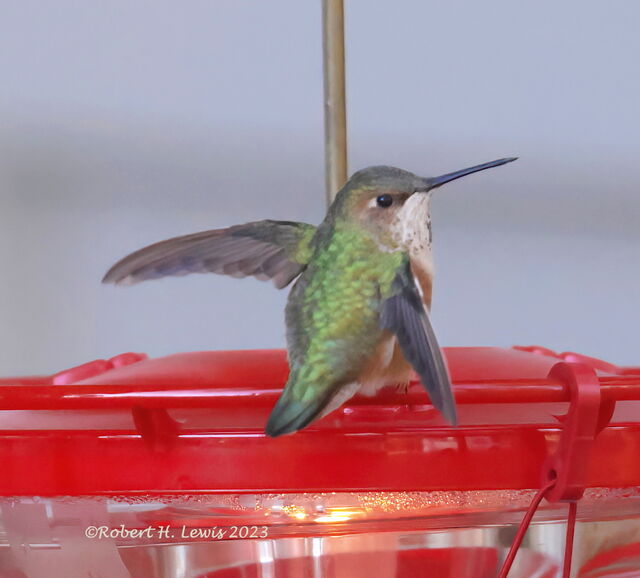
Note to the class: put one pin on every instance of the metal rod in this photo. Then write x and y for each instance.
(335, 115)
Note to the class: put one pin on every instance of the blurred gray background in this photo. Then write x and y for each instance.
(124, 123)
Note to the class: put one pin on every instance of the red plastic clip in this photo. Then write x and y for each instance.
(565, 474)
(582, 423)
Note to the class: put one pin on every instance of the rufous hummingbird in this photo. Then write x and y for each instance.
(357, 317)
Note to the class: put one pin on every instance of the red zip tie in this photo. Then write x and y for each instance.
(524, 526)
(568, 542)
(522, 529)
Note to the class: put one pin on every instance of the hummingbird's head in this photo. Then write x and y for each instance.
(393, 204)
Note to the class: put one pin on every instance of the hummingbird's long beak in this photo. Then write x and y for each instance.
(434, 182)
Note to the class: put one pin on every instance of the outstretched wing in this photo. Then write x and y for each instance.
(404, 314)
(276, 250)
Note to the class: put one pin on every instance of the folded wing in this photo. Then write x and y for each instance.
(404, 314)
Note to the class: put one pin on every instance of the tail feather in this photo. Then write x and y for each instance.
(290, 415)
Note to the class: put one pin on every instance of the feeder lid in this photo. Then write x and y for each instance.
(194, 422)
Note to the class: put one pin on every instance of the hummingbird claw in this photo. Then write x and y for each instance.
(403, 388)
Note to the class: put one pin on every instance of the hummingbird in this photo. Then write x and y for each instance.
(357, 316)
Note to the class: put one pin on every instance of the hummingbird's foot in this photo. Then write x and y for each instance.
(403, 387)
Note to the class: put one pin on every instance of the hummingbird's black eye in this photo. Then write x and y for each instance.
(384, 201)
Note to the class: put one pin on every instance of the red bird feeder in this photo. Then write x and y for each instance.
(159, 467)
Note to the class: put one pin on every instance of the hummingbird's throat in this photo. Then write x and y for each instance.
(411, 227)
